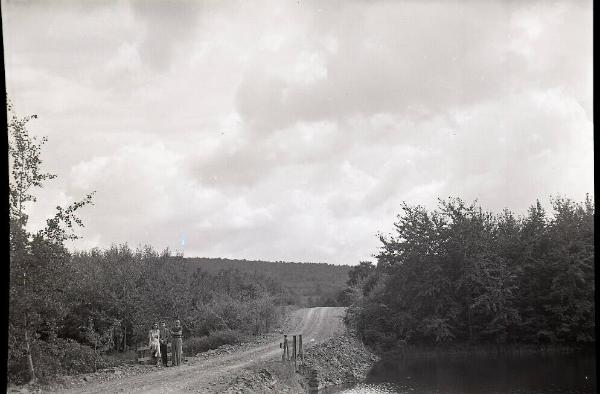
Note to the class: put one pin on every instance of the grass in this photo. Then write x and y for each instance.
(195, 345)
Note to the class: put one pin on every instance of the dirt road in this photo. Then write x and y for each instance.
(315, 325)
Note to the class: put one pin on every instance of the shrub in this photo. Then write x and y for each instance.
(74, 357)
(195, 345)
(58, 357)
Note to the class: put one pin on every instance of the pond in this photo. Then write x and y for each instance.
(530, 374)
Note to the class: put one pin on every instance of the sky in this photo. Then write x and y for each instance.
(293, 130)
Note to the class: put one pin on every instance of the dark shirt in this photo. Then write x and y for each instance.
(165, 335)
(177, 332)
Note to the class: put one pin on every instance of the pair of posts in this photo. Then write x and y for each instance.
(297, 351)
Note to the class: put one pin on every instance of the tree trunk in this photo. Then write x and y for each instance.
(32, 377)
(469, 321)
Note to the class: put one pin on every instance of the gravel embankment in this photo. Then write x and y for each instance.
(337, 361)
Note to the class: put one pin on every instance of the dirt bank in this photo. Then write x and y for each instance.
(339, 360)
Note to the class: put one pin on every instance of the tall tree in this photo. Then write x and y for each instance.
(35, 294)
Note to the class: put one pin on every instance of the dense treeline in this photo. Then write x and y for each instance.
(139, 287)
(308, 284)
(108, 299)
(459, 274)
(66, 310)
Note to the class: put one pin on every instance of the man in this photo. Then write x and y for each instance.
(165, 337)
(177, 343)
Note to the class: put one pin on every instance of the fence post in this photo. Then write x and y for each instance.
(294, 342)
(294, 352)
(300, 351)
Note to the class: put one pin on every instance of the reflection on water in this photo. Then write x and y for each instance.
(531, 374)
(378, 388)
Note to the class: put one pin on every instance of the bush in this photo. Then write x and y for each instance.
(74, 357)
(195, 345)
(59, 357)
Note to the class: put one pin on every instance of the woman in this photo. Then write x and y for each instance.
(154, 343)
(177, 343)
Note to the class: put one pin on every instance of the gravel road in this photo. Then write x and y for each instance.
(201, 375)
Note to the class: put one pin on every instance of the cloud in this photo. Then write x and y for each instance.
(414, 57)
(166, 29)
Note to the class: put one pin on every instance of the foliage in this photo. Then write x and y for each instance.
(37, 261)
(359, 273)
(60, 356)
(195, 345)
(101, 341)
(461, 274)
(306, 284)
(138, 288)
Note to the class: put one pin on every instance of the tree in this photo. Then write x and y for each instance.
(35, 259)
(571, 260)
(102, 341)
(459, 273)
(359, 273)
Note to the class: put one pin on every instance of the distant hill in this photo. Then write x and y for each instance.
(309, 284)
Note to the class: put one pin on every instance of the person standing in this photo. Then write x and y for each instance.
(177, 343)
(165, 337)
(154, 343)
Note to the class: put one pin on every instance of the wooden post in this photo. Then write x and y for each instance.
(300, 351)
(294, 352)
(294, 342)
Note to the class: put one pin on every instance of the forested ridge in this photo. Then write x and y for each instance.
(308, 284)
(460, 274)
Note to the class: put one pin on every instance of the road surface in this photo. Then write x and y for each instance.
(315, 325)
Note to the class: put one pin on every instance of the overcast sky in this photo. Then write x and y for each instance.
(293, 130)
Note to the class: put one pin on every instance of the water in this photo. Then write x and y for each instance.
(531, 374)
